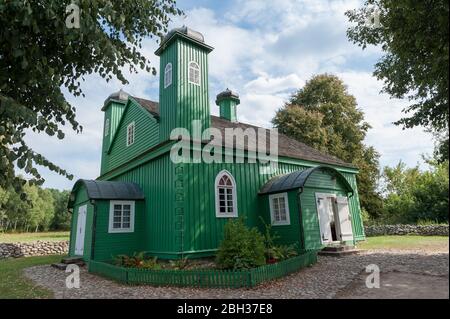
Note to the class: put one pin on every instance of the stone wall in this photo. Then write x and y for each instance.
(424, 230)
(38, 248)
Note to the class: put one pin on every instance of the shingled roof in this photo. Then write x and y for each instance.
(287, 146)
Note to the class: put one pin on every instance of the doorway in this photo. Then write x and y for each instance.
(81, 227)
(334, 218)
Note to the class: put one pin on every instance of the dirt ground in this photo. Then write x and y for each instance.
(398, 285)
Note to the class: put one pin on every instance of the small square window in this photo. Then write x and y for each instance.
(279, 209)
(121, 217)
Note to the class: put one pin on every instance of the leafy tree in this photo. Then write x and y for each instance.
(61, 219)
(324, 115)
(441, 147)
(414, 36)
(412, 196)
(39, 55)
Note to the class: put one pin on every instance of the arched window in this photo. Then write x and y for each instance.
(194, 73)
(168, 75)
(226, 197)
(106, 127)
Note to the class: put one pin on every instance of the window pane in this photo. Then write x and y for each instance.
(117, 207)
(116, 225)
(126, 225)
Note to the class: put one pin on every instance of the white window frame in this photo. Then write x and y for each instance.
(272, 211)
(107, 127)
(194, 70)
(111, 229)
(133, 127)
(168, 75)
(233, 193)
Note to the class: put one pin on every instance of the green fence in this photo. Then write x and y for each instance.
(204, 278)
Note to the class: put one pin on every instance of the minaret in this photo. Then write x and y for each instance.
(183, 85)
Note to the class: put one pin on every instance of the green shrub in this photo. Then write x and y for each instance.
(269, 241)
(283, 252)
(179, 264)
(136, 261)
(241, 247)
(151, 263)
(277, 252)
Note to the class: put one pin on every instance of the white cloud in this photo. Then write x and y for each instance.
(381, 111)
(267, 85)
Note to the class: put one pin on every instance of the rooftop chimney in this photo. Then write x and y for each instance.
(227, 102)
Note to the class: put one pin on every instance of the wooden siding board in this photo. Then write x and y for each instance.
(108, 245)
(146, 135)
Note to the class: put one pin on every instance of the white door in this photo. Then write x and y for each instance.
(345, 222)
(81, 226)
(323, 211)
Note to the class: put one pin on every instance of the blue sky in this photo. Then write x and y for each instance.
(264, 50)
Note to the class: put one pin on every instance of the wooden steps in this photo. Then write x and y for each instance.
(339, 251)
(68, 261)
(72, 260)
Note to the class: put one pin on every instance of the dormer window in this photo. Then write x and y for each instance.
(168, 75)
(194, 73)
(106, 127)
(130, 134)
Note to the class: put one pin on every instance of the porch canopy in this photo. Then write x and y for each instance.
(96, 189)
(298, 179)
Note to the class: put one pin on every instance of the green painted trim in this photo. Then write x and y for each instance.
(291, 160)
(127, 106)
(164, 147)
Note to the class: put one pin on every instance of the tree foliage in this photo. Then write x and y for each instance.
(40, 55)
(412, 196)
(414, 36)
(324, 115)
(43, 210)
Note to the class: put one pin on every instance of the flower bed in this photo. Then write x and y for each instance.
(204, 278)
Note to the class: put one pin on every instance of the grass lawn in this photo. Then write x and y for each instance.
(28, 237)
(13, 285)
(406, 242)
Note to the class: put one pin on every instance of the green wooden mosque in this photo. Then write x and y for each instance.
(144, 201)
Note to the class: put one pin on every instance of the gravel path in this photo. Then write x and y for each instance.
(329, 278)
